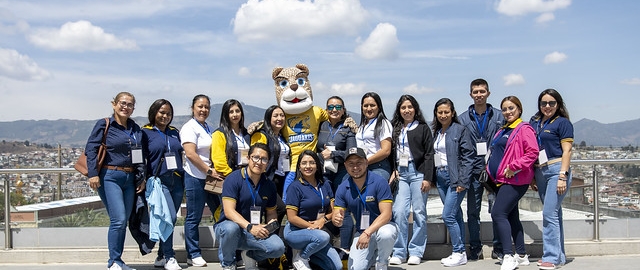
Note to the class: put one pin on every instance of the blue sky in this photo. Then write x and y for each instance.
(68, 59)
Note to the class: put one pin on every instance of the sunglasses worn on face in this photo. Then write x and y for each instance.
(550, 103)
(331, 107)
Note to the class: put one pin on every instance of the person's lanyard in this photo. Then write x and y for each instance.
(131, 135)
(540, 129)
(253, 191)
(284, 148)
(240, 139)
(484, 122)
(367, 127)
(364, 191)
(496, 138)
(404, 134)
(332, 134)
(319, 193)
(165, 136)
(204, 126)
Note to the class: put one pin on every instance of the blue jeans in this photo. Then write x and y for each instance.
(552, 227)
(314, 245)
(506, 218)
(474, 205)
(196, 198)
(410, 196)
(117, 191)
(232, 237)
(382, 168)
(173, 189)
(452, 212)
(379, 250)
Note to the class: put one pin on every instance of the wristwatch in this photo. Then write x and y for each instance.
(565, 173)
(249, 227)
(209, 172)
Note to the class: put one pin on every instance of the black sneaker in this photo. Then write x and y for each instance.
(475, 254)
(497, 255)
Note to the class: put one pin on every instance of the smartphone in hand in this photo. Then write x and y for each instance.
(272, 226)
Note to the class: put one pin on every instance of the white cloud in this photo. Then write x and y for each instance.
(382, 43)
(79, 36)
(513, 79)
(277, 20)
(523, 7)
(414, 89)
(244, 71)
(545, 17)
(20, 67)
(348, 89)
(632, 81)
(10, 25)
(554, 57)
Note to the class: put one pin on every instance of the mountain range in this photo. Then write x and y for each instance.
(74, 133)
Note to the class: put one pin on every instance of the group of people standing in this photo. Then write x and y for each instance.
(343, 187)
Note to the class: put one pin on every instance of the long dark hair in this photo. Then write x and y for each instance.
(345, 114)
(314, 155)
(155, 107)
(560, 111)
(398, 122)
(435, 124)
(225, 125)
(266, 123)
(381, 116)
(193, 102)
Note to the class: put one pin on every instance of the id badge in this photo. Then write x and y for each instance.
(243, 156)
(255, 215)
(481, 148)
(136, 155)
(404, 160)
(170, 160)
(284, 162)
(320, 215)
(436, 160)
(542, 157)
(364, 220)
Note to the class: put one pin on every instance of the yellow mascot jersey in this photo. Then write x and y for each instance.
(301, 131)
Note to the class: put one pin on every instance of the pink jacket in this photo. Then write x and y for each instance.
(520, 154)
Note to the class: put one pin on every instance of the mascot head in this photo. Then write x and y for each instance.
(293, 90)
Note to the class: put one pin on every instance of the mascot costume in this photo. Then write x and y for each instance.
(294, 96)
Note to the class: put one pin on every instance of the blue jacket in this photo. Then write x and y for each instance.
(160, 222)
(460, 155)
(495, 120)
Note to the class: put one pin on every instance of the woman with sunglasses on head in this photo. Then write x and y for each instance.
(165, 153)
(309, 206)
(552, 173)
(116, 180)
(413, 153)
(374, 134)
(334, 139)
(513, 152)
(453, 160)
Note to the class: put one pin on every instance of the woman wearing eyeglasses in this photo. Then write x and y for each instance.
(115, 181)
(334, 139)
(309, 206)
(552, 174)
(514, 150)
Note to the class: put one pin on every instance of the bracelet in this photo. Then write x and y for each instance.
(326, 220)
(365, 233)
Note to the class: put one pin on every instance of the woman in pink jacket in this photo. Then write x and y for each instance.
(513, 153)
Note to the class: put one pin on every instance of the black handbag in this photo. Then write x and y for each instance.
(393, 185)
(487, 182)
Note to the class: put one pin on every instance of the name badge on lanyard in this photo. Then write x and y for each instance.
(255, 214)
(542, 157)
(365, 219)
(329, 165)
(437, 160)
(136, 155)
(170, 159)
(481, 148)
(320, 214)
(404, 160)
(243, 156)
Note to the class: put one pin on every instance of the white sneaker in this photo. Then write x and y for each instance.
(172, 264)
(395, 261)
(197, 262)
(249, 263)
(381, 266)
(457, 259)
(114, 266)
(160, 262)
(509, 262)
(414, 260)
(300, 263)
(443, 260)
(524, 260)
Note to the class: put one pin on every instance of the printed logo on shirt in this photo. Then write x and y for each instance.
(370, 198)
(300, 126)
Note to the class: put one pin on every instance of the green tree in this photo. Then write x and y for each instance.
(15, 199)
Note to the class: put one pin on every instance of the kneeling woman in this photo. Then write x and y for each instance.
(309, 201)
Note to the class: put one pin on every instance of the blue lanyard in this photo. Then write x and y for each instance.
(496, 138)
(367, 127)
(540, 129)
(165, 136)
(204, 126)
(131, 135)
(253, 191)
(318, 193)
(284, 148)
(331, 134)
(484, 122)
(404, 133)
(240, 139)
(364, 191)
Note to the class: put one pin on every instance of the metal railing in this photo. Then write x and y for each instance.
(593, 162)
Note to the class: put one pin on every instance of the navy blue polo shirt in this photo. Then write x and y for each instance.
(160, 143)
(304, 198)
(552, 133)
(240, 188)
(375, 190)
(120, 141)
